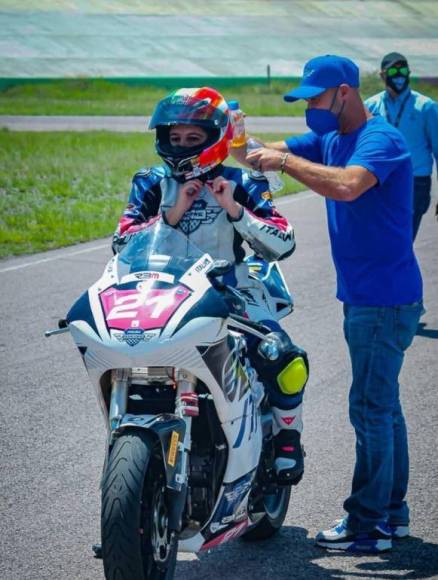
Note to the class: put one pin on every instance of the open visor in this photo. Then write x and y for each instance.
(187, 110)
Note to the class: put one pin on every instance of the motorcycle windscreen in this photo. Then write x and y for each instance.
(150, 267)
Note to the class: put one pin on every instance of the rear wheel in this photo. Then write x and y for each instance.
(136, 541)
(274, 504)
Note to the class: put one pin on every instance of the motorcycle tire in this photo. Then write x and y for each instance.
(136, 544)
(275, 507)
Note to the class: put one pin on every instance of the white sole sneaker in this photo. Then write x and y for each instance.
(369, 546)
(339, 537)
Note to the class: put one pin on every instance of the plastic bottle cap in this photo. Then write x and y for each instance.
(233, 105)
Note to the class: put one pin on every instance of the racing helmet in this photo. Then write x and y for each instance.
(203, 107)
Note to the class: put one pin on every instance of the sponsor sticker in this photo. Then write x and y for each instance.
(148, 276)
(133, 336)
(171, 457)
(267, 196)
(201, 266)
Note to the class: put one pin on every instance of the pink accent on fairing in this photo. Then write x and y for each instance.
(230, 534)
(276, 220)
(147, 310)
(128, 225)
(288, 448)
(288, 420)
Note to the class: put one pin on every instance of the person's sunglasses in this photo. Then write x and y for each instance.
(393, 71)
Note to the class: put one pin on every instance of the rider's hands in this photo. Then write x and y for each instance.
(187, 193)
(223, 193)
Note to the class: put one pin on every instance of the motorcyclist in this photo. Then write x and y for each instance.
(219, 207)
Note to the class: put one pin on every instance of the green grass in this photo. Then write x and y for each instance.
(99, 97)
(58, 189)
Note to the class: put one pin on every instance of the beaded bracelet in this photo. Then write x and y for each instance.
(283, 161)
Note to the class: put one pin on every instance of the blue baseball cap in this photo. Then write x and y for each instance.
(322, 73)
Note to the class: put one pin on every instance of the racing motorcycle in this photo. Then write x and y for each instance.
(189, 461)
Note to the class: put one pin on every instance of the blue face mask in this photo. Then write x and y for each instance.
(398, 83)
(322, 121)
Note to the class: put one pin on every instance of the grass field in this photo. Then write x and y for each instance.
(98, 97)
(58, 189)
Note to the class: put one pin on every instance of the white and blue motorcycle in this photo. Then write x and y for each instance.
(190, 458)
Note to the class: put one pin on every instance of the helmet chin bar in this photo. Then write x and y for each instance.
(183, 161)
(185, 170)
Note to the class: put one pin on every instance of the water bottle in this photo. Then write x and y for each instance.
(238, 122)
(276, 184)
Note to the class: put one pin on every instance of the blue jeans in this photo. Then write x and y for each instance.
(422, 188)
(377, 337)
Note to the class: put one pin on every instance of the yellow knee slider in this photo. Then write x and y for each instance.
(293, 377)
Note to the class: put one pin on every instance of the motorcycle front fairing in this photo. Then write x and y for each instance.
(155, 306)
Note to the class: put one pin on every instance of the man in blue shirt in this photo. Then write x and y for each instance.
(361, 165)
(416, 117)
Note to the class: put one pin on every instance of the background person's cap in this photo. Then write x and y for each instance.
(391, 59)
(322, 73)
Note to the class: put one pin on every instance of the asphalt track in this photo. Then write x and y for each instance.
(52, 436)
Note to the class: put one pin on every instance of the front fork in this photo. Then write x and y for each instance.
(119, 399)
(186, 408)
(173, 432)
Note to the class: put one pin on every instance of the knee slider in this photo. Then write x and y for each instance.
(286, 361)
(293, 378)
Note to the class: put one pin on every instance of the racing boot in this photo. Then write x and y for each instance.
(289, 453)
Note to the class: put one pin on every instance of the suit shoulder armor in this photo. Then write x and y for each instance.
(150, 176)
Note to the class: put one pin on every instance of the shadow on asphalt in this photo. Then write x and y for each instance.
(292, 554)
(288, 555)
(427, 332)
(409, 559)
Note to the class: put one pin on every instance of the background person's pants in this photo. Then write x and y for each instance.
(422, 187)
(377, 338)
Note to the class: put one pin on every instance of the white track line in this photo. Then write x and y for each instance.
(296, 197)
(62, 255)
(53, 258)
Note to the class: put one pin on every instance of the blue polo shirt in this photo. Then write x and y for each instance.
(371, 237)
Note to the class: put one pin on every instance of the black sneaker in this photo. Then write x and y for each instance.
(339, 537)
(289, 457)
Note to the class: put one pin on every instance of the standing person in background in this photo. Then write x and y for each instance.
(416, 117)
(362, 167)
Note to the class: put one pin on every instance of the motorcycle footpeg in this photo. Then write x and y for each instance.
(289, 479)
(97, 549)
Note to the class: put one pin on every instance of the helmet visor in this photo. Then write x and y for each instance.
(187, 110)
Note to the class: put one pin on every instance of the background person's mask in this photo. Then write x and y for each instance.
(397, 77)
(397, 83)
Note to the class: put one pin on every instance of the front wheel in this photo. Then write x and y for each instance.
(136, 541)
(274, 503)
